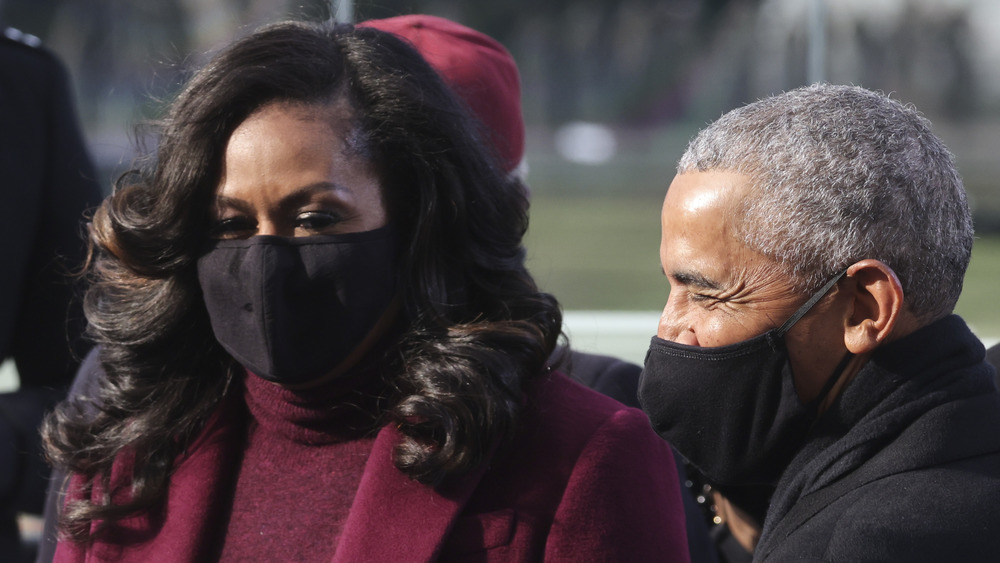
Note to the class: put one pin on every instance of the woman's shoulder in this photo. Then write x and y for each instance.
(559, 408)
(558, 388)
(584, 453)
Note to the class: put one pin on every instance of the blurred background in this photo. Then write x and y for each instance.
(612, 92)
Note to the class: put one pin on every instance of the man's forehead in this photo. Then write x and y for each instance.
(706, 192)
(700, 246)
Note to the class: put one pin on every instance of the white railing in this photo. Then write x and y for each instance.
(623, 334)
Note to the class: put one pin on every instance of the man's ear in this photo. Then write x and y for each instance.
(877, 305)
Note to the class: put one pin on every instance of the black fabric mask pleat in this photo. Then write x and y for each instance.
(291, 309)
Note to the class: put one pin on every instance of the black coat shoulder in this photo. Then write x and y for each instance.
(993, 358)
(608, 375)
(22, 51)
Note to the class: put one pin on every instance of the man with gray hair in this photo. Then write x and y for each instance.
(807, 361)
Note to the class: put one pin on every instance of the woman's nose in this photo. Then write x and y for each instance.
(266, 226)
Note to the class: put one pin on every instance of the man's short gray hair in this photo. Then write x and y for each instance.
(839, 174)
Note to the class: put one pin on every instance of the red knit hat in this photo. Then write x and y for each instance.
(479, 69)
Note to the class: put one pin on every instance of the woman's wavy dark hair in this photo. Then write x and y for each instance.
(478, 327)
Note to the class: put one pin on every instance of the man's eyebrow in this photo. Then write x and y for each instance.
(695, 279)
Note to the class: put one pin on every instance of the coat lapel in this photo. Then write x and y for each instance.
(395, 518)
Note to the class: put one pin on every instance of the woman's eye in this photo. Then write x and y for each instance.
(232, 227)
(316, 220)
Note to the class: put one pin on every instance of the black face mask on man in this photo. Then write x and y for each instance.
(292, 309)
(732, 410)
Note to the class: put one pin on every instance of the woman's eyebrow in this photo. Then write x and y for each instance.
(293, 200)
(305, 194)
(222, 201)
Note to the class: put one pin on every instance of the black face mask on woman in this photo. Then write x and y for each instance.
(291, 309)
(732, 410)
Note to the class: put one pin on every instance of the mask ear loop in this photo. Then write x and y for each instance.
(809, 304)
(805, 308)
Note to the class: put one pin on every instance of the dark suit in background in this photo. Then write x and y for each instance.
(993, 357)
(46, 182)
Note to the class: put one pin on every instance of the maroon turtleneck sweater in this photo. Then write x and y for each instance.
(303, 461)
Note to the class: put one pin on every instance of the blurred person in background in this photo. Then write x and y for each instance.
(47, 181)
(485, 76)
(317, 339)
(807, 360)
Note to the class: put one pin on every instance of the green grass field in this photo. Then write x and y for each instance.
(598, 253)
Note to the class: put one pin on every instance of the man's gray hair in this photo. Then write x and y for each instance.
(839, 174)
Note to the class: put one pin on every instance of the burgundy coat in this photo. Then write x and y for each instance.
(585, 479)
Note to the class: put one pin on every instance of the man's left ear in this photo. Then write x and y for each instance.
(877, 305)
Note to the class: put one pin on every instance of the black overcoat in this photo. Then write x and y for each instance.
(904, 467)
(46, 182)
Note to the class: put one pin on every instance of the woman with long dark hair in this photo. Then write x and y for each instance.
(318, 339)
